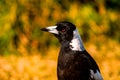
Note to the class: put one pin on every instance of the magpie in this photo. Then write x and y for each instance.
(74, 62)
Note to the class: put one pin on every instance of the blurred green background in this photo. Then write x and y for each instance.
(98, 22)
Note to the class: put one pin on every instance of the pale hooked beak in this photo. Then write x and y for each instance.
(51, 29)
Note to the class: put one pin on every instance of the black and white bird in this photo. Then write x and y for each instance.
(74, 62)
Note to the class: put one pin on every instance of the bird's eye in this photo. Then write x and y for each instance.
(63, 30)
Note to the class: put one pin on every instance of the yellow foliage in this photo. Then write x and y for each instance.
(37, 67)
(26, 68)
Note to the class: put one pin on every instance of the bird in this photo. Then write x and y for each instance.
(74, 62)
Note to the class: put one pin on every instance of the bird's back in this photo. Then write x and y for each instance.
(75, 65)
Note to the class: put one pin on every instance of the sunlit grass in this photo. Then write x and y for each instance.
(38, 67)
(27, 68)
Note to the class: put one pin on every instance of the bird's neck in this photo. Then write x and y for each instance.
(76, 43)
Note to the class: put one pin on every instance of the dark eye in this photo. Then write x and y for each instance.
(63, 30)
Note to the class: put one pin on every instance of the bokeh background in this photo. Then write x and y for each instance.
(26, 53)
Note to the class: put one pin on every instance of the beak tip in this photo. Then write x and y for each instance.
(51, 29)
(44, 29)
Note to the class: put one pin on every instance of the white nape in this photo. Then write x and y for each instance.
(52, 29)
(95, 76)
(76, 42)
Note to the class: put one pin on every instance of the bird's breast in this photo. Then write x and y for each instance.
(66, 63)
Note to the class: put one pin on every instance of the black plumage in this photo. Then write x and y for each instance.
(74, 62)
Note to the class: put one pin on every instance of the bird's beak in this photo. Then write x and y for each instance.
(51, 29)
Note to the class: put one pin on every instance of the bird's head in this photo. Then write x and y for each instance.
(67, 34)
(62, 30)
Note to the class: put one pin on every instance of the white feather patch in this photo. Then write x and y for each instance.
(96, 76)
(76, 42)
